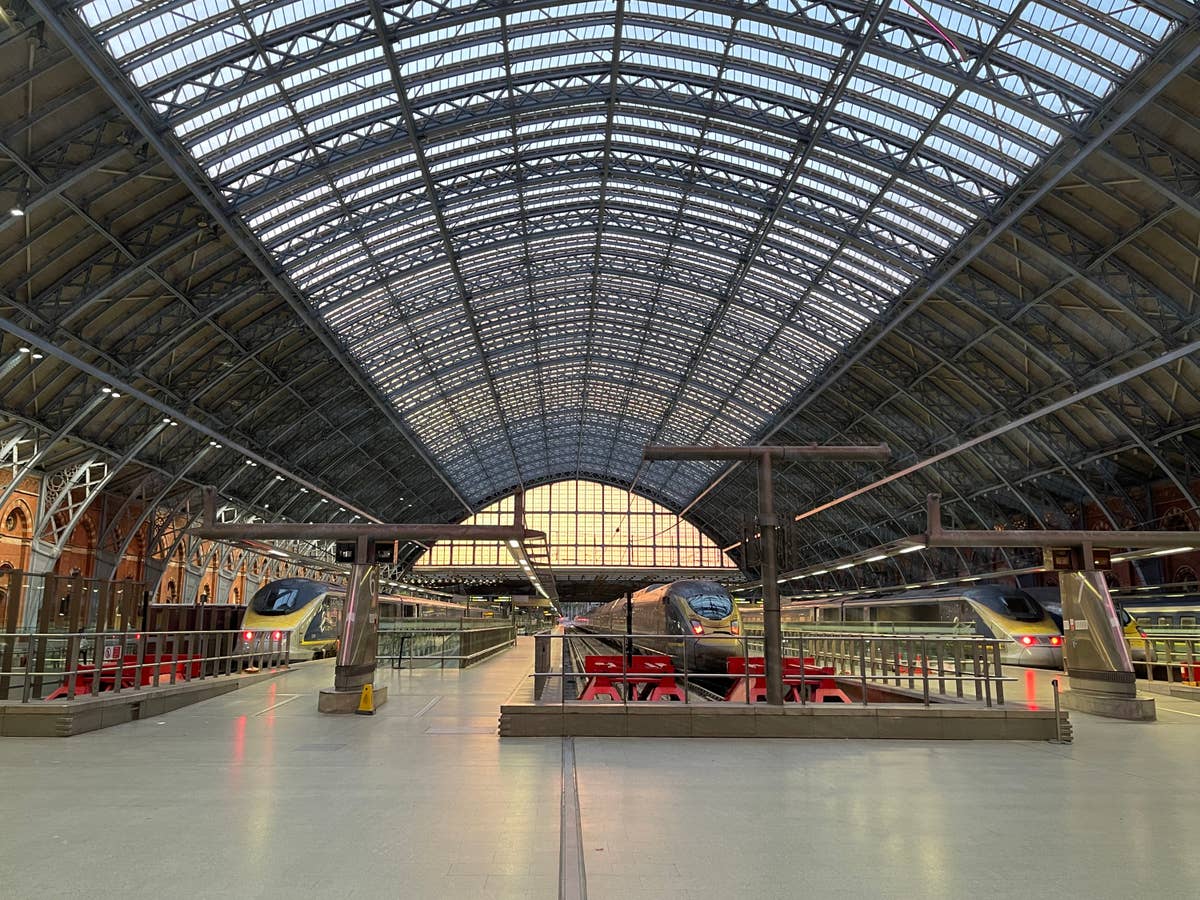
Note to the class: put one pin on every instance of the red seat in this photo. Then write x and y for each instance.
(659, 673)
(794, 681)
(603, 670)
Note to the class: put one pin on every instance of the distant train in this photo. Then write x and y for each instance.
(1008, 614)
(307, 615)
(697, 620)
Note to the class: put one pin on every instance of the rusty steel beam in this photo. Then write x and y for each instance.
(867, 453)
(937, 536)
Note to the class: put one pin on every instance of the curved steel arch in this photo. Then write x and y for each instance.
(930, 137)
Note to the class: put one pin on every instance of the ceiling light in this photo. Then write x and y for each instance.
(820, 572)
(844, 566)
(877, 558)
(513, 542)
(116, 395)
(16, 211)
(913, 549)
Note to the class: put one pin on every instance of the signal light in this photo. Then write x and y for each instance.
(1055, 641)
(276, 635)
(1026, 640)
(248, 635)
(697, 628)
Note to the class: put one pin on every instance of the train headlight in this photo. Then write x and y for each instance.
(1055, 640)
(248, 635)
(276, 635)
(1027, 640)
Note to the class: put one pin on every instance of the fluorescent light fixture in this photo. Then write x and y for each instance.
(820, 572)
(513, 542)
(1170, 550)
(913, 549)
(845, 566)
(877, 558)
(16, 211)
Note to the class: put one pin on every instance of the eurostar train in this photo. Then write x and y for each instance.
(308, 615)
(697, 620)
(988, 610)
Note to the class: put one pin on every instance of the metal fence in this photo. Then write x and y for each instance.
(425, 644)
(866, 668)
(69, 665)
(1171, 654)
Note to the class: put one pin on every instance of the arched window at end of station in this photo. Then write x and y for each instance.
(589, 525)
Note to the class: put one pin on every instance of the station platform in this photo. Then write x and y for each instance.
(255, 794)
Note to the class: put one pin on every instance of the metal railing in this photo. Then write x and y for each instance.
(71, 665)
(1175, 654)
(875, 668)
(420, 645)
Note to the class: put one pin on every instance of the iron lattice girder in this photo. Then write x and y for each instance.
(923, 47)
(148, 249)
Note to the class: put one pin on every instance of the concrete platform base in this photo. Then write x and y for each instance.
(331, 701)
(742, 720)
(63, 718)
(1135, 709)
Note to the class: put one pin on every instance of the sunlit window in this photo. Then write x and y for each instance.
(592, 525)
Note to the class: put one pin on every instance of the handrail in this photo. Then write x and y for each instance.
(936, 666)
(121, 660)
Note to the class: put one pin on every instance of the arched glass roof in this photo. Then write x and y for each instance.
(553, 233)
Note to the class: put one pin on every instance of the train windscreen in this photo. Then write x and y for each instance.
(1016, 604)
(283, 597)
(711, 606)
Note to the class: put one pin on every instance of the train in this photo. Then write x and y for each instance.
(696, 623)
(308, 615)
(990, 610)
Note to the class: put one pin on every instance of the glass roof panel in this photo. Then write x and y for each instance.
(547, 257)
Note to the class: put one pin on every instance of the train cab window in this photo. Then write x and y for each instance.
(1123, 617)
(1187, 621)
(281, 598)
(1019, 605)
(711, 606)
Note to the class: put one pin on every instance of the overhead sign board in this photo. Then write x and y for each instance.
(345, 551)
(385, 553)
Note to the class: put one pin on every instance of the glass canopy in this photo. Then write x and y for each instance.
(554, 233)
(588, 525)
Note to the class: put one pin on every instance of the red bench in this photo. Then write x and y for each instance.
(162, 665)
(753, 683)
(644, 678)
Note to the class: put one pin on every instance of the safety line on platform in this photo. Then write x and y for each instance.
(290, 698)
(572, 877)
(426, 708)
(1178, 711)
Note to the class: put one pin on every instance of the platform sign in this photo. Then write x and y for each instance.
(385, 553)
(346, 551)
(1102, 559)
(112, 652)
(1061, 559)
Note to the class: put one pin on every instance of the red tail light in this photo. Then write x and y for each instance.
(276, 635)
(1027, 640)
(1055, 641)
(697, 628)
(248, 635)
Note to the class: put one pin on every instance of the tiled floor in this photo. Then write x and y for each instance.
(256, 795)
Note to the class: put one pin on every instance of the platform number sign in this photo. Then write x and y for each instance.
(385, 553)
(1102, 559)
(345, 551)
